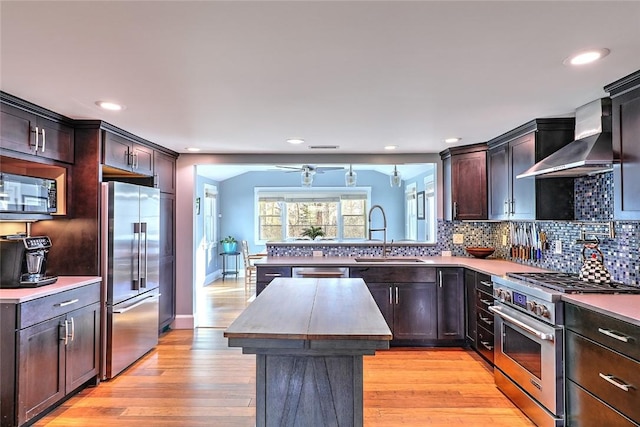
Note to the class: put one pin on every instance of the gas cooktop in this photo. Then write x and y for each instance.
(571, 284)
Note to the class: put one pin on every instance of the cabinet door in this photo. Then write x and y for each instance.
(167, 289)
(626, 149)
(17, 129)
(469, 186)
(142, 159)
(83, 344)
(414, 314)
(116, 151)
(56, 140)
(164, 168)
(40, 375)
(523, 191)
(382, 293)
(470, 321)
(450, 304)
(499, 183)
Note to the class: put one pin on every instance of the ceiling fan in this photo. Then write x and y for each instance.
(310, 168)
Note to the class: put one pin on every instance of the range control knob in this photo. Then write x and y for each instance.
(531, 306)
(543, 311)
(507, 296)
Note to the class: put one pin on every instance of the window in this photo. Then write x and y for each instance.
(430, 218)
(285, 213)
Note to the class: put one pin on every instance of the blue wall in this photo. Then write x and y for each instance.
(236, 200)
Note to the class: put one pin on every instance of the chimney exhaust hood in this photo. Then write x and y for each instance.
(590, 153)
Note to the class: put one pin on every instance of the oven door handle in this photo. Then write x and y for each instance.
(541, 335)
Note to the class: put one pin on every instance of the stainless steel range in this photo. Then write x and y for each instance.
(529, 339)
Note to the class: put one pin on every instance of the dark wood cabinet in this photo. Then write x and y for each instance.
(625, 100)
(265, 274)
(413, 311)
(470, 324)
(167, 277)
(122, 153)
(478, 319)
(450, 296)
(602, 368)
(465, 182)
(50, 348)
(164, 168)
(28, 132)
(512, 198)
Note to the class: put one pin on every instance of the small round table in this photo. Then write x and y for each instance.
(226, 272)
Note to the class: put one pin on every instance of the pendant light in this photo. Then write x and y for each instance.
(307, 177)
(396, 179)
(350, 177)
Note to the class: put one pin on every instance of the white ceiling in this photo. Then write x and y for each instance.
(241, 77)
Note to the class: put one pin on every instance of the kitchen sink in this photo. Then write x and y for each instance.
(388, 259)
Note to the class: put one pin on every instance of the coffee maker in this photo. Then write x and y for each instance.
(24, 262)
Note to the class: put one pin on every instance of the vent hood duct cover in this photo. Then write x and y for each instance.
(589, 154)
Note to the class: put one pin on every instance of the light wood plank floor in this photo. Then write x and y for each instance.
(193, 379)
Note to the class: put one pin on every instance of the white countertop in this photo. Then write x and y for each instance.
(64, 283)
(620, 306)
(489, 266)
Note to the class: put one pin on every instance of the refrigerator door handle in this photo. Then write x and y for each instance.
(136, 278)
(132, 306)
(143, 279)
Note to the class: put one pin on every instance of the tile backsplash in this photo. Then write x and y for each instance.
(593, 212)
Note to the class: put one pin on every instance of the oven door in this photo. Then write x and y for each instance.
(530, 353)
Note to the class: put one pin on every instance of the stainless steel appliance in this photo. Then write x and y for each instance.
(26, 197)
(529, 334)
(131, 227)
(24, 262)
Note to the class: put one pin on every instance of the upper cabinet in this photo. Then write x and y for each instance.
(33, 133)
(465, 177)
(125, 154)
(516, 151)
(625, 100)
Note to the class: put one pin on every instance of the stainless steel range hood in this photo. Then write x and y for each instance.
(590, 153)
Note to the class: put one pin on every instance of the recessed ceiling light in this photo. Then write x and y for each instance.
(390, 147)
(295, 141)
(452, 140)
(586, 56)
(108, 105)
(193, 149)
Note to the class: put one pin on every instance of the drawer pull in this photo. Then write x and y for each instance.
(66, 303)
(612, 334)
(486, 320)
(487, 284)
(612, 380)
(272, 274)
(486, 301)
(486, 345)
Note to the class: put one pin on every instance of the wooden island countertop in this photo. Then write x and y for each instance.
(309, 336)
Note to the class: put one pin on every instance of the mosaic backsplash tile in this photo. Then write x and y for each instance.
(594, 213)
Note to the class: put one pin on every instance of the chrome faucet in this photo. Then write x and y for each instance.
(384, 229)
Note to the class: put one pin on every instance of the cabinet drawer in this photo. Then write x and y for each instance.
(485, 343)
(267, 274)
(484, 319)
(584, 410)
(484, 284)
(483, 301)
(41, 309)
(589, 364)
(394, 274)
(613, 333)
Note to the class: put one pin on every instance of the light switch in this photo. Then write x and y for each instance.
(458, 239)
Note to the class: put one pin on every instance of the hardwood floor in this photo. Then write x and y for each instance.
(193, 379)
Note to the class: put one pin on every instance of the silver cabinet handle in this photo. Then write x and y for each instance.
(396, 295)
(65, 326)
(612, 380)
(35, 150)
(73, 330)
(44, 140)
(440, 277)
(66, 303)
(532, 331)
(131, 307)
(486, 345)
(486, 320)
(272, 275)
(455, 210)
(390, 296)
(612, 334)
(486, 301)
(487, 284)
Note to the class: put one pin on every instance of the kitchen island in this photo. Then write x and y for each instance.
(309, 336)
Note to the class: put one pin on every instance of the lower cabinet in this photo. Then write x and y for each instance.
(265, 274)
(54, 347)
(478, 318)
(450, 293)
(602, 369)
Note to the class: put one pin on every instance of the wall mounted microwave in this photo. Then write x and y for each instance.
(25, 196)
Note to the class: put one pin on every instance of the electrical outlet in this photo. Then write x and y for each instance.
(504, 240)
(458, 239)
(557, 247)
(317, 253)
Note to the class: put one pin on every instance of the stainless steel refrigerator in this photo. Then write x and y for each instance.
(130, 274)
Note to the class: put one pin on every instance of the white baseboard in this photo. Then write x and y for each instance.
(183, 321)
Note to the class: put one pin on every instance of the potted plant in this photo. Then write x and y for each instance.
(312, 232)
(229, 244)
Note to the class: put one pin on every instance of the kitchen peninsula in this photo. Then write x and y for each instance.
(309, 352)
